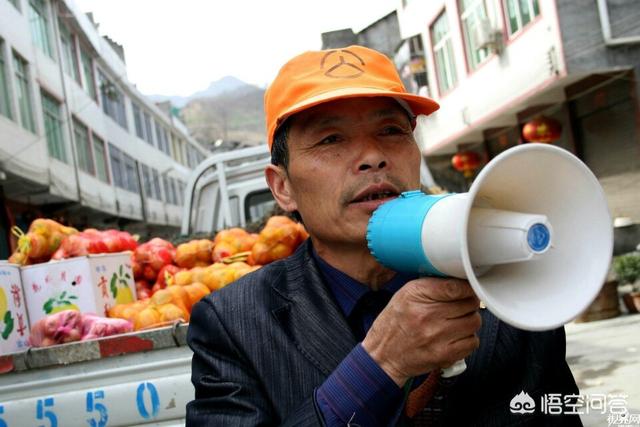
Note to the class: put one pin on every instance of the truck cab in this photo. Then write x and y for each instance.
(227, 190)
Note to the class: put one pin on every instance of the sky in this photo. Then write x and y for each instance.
(177, 47)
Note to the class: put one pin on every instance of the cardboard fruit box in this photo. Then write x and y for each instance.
(90, 284)
(14, 324)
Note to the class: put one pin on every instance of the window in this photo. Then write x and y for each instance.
(411, 62)
(83, 147)
(176, 146)
(5, 100)
(124, 170)
(40, 25)
(117, 169)
(167, 192)
(258, 204)
(69, 52)
(143, 123)
(520, 13)
(151, 182)
(89, 78)
(146, 181)
(157, 191)
(53, 127)
(99, 154)
(190, 157)
(148, 127)
(173, 190)
(181, 189)
(131, 172)
(472, 13)
(161, 134)
(23, 94)
(195, 157)
(443, 53)
(112, 100)
(138, 120)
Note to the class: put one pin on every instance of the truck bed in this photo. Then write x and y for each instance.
(140, 378)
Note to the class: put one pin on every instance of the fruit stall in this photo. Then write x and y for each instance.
(93, 323)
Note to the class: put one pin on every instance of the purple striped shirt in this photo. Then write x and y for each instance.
(358, 391)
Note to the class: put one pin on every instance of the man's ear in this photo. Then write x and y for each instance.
(280, 186)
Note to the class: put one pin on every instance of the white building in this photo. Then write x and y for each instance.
(77, 139)
(493, 65)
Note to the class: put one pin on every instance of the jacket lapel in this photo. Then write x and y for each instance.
(480, 359)
(309, 315)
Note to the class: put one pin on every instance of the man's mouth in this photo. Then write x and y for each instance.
(374, 195)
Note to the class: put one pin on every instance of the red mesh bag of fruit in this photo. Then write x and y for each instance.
(92, 241)
(150, 257)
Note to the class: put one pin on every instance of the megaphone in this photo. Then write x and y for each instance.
(533, 236)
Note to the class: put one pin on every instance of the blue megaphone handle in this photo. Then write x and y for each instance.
(394, 233)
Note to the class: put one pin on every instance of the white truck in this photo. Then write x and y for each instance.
(140, 378)
(227, 189)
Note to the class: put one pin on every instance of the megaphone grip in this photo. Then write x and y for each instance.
(456, 369)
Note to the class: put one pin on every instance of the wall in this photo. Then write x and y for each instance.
(605, 125)
(522, 69)
(383, 35)
(583, 42)
(607, 117)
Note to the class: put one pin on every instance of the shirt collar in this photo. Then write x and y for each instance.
(347, 290)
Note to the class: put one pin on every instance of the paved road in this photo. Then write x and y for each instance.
(605, 359)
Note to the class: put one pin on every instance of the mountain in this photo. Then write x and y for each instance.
(219, 87)
(225, 84)
(228, 109)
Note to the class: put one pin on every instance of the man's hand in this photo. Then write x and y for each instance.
(429, 323)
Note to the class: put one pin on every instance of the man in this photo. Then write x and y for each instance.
(328, 336)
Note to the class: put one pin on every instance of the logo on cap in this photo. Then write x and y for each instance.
(342, 64)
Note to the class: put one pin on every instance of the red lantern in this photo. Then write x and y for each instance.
(466, 162)
(542, 129)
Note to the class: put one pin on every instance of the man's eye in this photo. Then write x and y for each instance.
(329, 139)
(393, 130)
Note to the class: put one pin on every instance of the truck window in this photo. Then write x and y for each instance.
(258, 204)
(234, 206)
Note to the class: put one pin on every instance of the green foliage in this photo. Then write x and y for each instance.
(627, 267)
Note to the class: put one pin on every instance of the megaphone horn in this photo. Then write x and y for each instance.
(533, 236)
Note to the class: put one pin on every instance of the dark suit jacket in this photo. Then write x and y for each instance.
(263, 344)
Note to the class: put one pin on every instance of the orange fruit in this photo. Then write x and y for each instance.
(196, 292)
(148, 317)
(170, 312)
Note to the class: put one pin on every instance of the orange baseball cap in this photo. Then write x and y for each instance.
(316, 77)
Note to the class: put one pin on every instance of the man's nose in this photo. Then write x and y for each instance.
(371, 155)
